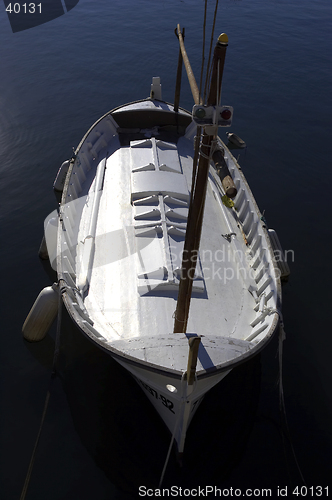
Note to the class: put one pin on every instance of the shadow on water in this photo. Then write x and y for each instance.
(125, 436)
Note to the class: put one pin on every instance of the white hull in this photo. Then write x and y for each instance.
(119, 247)
(176, 407)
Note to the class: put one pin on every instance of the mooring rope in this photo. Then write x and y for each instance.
(32, 460)
(282, 407)
(48, 394)
(285, 432)
(203, 50)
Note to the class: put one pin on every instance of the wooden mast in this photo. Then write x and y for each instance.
(196, 209)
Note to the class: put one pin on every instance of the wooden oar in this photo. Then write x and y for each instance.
(190, 74)
(178, 75)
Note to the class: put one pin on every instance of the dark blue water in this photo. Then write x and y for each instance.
(56, 80)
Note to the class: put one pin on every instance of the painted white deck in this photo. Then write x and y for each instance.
(136, 249)
(138, 254)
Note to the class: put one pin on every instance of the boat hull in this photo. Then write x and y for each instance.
(173, 400)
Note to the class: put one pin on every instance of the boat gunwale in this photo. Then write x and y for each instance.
(151, 367)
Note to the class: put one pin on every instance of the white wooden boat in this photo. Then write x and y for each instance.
(120, 237)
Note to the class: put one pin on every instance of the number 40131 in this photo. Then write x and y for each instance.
(25, 8)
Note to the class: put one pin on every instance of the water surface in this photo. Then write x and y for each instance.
(56, 80)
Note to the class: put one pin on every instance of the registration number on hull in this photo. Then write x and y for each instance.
(166, 402)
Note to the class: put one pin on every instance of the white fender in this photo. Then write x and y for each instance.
(42, 252)
(279, 255)
(59, 182)
(42, 314)
(51, 233)
(48, 246)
